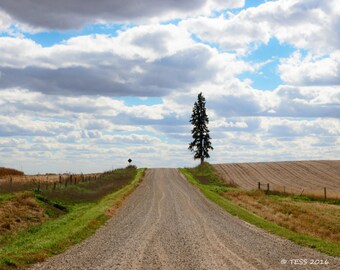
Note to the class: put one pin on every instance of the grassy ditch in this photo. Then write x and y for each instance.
(82, 216)
(270, 213)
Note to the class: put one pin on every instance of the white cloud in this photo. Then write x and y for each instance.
(26, 126)
(311, 70)
(232, 33)
(310, 24)
(5, 22)
(142, 61)
(279, 127)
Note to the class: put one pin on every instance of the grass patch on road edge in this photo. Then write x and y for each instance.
(211, 193)
(55, 236)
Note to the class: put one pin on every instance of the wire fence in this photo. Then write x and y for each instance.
(325, 192)
(11, 184)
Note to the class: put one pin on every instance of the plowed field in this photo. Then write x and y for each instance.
(297, 177)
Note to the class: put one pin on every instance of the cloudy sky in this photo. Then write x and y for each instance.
(85, 85)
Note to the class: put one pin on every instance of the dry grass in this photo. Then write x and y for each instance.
(112, 210)
(90, 191)
(312, 218)
(44, 178)
(19, 213)
(10, 184)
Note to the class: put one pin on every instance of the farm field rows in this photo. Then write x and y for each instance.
(296, 177)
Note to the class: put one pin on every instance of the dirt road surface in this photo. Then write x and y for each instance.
(168, 224)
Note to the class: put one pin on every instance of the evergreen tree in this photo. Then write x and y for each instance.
(200, 133)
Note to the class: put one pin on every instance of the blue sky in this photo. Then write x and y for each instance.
(84, 89)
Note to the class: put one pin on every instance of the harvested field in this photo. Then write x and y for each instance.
(296, 177)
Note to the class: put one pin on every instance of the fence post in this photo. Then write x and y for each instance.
(10, 183)
(60, 179)
(38, 186)
(268, 187)
(54, 185)
(325, 193)
(259, 185)
(71, 179)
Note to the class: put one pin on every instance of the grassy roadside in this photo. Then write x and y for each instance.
(214, 193)
(55, 236)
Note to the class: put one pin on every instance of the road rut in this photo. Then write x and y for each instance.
(168, 224)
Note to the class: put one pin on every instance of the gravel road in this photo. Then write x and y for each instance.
(168, 224)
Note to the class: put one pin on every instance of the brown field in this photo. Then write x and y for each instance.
(296, 177)
(8, 171)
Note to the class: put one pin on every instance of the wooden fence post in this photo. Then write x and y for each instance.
(259, 185)
(54, 185)
(325, 193)
(38, 186)
(10, 183)
(268, 187)
(71, 179)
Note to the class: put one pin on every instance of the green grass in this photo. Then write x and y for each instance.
(304, 198)
(55, 236)
(206, 174)
(6, 196)
(212, 193)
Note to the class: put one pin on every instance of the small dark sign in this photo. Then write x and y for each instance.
(129, 160)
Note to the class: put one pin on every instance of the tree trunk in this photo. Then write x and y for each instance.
(202, 160)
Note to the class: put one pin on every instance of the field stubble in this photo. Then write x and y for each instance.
(291, 177)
